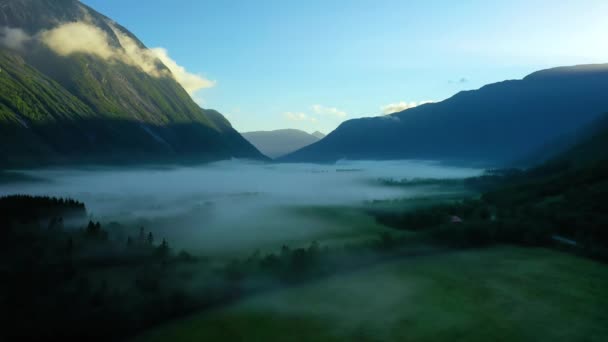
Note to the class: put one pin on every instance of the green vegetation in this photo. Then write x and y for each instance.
(428, 268)
(582, 146)
(133, 280)
(45, 119)
(529, 208)
(413, 270)
(83, 109)
(420, 181)
(30, 209)
(95, 273)
(510, 255)
(498, 294)
(57, 274)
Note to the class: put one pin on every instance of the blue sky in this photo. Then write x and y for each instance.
(313, 64)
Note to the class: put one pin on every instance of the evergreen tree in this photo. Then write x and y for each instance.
(52, 223)
(142, 236)
(163, 250)
(70, 246)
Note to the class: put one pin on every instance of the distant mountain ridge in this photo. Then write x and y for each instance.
(280, 142)
(318, 135)
(495, 124)
(76, 87)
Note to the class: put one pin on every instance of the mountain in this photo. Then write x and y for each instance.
(495, 124)
(280, 142)
(76, 87)
(591, 144)
(583, 145)
(318, 135)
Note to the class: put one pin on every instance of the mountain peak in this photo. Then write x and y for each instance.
(496, 124)
(583, 69)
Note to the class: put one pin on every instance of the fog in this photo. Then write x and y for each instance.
(234, 206)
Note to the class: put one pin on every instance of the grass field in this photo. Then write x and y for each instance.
(294, 226)
(498, 294)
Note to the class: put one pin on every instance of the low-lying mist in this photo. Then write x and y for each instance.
(236, 206)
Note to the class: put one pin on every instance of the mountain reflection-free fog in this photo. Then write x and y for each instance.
(234, 205)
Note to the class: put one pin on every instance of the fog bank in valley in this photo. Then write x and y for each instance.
(232, 205)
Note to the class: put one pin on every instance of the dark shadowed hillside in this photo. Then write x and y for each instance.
(78, 87)
(591, 144)
(583, 145)
(498, 123)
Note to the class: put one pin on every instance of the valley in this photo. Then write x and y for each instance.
(371, 171)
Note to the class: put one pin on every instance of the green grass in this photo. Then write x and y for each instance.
(294, 226)
(498, 294)
(341, 225)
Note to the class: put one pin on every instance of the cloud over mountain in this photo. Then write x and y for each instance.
(191, 82)
(401, 106)
(13, 38)
(82, 37)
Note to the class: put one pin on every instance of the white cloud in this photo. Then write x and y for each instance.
(82, 37)
(322, 110)
(79, 37)
(401, 106)
(134, 54)
(13, 38)
(319, 115)
(292, 116)
(191, 82)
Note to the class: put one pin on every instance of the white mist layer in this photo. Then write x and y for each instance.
(232, 205)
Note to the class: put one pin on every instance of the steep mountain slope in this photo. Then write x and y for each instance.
(591, 145)
(496, 124)
(77, 87)
(279, 142)
(583, 145)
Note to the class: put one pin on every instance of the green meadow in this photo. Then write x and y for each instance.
(495, 294)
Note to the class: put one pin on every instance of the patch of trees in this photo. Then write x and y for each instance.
(527, 208)
(31, 208)
(419, 182)
(289, 265)
(69, 283)
(433, 216)
(63, 284)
